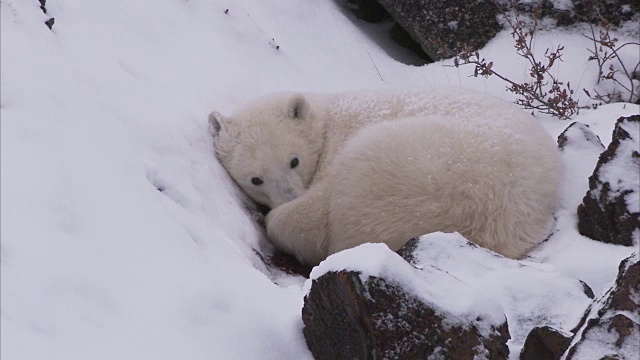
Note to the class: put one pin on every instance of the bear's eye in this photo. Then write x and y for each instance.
(294, 163)
(256, 181)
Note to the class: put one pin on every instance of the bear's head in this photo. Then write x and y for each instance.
(270, 147)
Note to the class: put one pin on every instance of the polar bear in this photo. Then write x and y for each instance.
(339, 170)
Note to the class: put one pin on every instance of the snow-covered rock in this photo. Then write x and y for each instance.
(448, 270)
(610, 211)
(610, 328)
(383, 308)
(529, 295)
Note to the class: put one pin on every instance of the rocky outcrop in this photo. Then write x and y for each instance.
(610, 211)
(570, 12)
(444, 27)
(612, 11)
(347, 317)
(367, 10)
(610, 328)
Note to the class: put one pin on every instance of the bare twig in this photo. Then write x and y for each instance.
(605, 51)
(543, 92)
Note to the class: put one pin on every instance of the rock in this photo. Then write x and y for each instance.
(367, 10)
(50, 23)
(578, 135)
(570, 12)
(545, 343)
(444, 27)
(530, 297)
(580, 150)
(610, 211)
(352, 310)
(43, 6)
(404, 39)
(612, 11)
(610, 328)
(347, 317)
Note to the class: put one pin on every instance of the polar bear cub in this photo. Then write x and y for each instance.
(345, 169)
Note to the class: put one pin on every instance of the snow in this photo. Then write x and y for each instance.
(122, 236)
(530, 296)
(487, 285)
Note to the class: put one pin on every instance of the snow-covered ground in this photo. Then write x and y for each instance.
(121, 234)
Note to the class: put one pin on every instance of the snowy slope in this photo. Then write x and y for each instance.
(122, 236)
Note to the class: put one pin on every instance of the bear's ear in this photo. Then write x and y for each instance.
(298, 108)
(215, 123)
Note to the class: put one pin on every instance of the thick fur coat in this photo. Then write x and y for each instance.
(344, 169)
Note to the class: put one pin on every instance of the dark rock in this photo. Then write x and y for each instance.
(42, 6)
(624, 293)
(579, 135)
(610, 328)
(545, 343)
(612, 322)
(408, 249)
(444, 27)
(348, 318)
(609, 211)
(50, 23)
(611, 11)
(587, 290)
(367, 10)
(404, 39)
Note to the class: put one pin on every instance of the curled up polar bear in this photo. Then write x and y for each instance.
(345, 169)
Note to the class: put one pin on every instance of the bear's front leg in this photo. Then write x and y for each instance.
(299, 227)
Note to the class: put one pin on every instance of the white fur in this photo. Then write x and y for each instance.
(386, 167)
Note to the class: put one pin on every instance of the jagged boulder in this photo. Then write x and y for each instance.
(570, 12)
(441, 28)
(348, 318)
(369, 301)
(610, 211)
(610, 328)
(367, 10)
(394, 311)
(612, 11)
(50, 21)
(529, 296)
